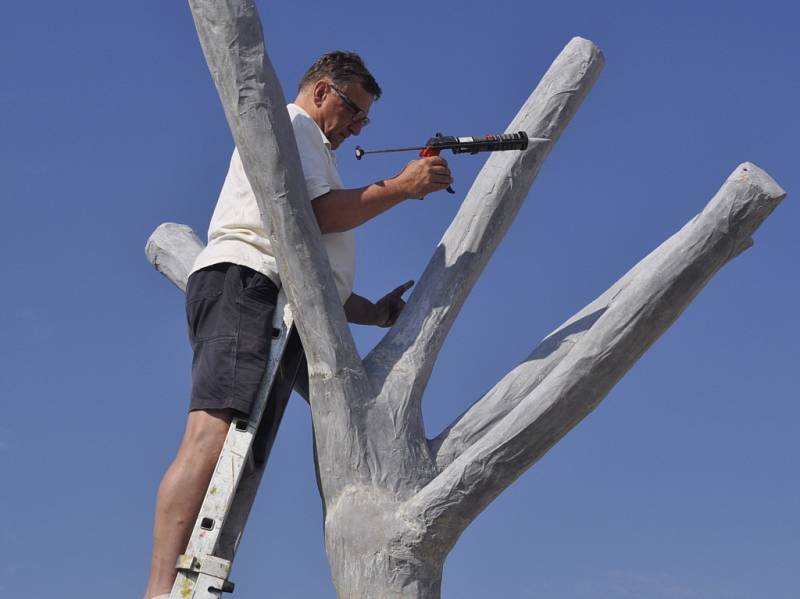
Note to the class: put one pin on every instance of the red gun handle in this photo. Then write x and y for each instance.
(429, 151)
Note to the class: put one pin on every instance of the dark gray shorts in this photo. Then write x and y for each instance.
(229, 309)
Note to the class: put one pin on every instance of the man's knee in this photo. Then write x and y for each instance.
(205, 431)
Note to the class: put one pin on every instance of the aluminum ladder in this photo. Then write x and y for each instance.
(204, 567)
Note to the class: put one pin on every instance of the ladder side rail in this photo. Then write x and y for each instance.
(233, 528)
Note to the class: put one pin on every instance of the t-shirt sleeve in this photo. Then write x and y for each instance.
(313, 158)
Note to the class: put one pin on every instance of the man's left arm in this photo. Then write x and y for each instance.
(383, 313)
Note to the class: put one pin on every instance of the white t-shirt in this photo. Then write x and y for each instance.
(236, 233)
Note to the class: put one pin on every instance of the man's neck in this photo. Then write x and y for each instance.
(307, 104)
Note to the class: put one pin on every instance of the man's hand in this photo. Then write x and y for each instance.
(390, 305)
(424, 176)
(383, 313)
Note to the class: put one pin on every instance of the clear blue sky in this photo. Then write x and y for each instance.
(682, 484)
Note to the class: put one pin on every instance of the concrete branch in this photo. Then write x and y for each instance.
(619, 332)
(172, 250)
(403, 361)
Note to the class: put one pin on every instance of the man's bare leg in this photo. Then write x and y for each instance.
(181, 493)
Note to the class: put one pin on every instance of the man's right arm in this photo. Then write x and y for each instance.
(344, 209)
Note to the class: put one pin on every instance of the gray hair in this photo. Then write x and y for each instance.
(343, 68)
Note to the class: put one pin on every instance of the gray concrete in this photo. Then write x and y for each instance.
(172, 249)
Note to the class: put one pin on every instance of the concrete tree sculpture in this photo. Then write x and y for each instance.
(395, 501)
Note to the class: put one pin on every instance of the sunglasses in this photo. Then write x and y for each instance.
(359, 116)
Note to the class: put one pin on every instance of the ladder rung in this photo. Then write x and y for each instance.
(209, 564)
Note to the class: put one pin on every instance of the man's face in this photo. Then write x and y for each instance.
(342, 111)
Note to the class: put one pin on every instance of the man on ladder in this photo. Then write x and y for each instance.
(232, 291)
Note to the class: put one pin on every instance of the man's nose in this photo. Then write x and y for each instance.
(355, 128)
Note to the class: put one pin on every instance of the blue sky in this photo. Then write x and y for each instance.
(683, 484)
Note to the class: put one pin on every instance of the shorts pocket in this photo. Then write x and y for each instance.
(256, 308)
(210, 318)
(260, 288)
(213, 371)
(206, 283)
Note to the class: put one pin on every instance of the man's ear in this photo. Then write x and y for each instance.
(319, 91)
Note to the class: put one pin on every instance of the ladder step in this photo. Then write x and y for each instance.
(209, 564)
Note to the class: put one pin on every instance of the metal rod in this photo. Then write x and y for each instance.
(361, 151)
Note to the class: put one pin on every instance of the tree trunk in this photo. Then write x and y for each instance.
(373, 552)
